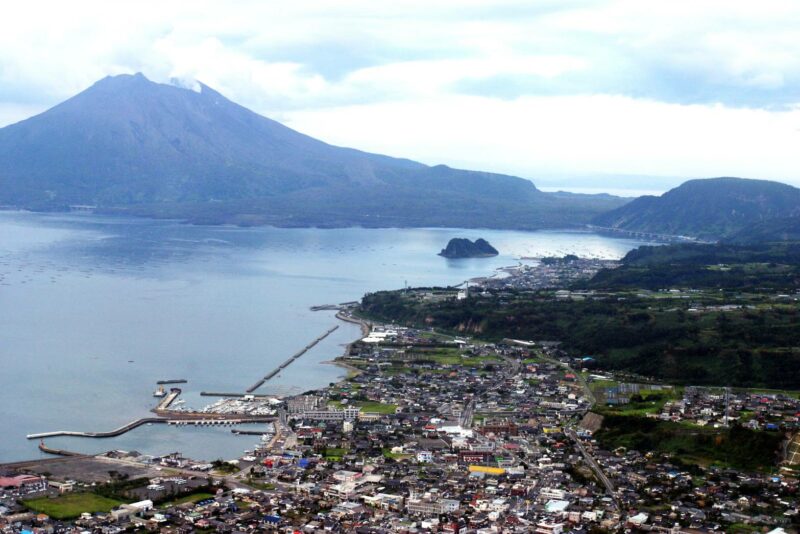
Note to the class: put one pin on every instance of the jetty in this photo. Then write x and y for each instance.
(325, 307)
(110, 434)
(58, 452)
(166, 401)
(199, 419)
(291, 359)
(241, 432)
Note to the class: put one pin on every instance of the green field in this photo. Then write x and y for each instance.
(71, 505)
(647, 401)
(369, 406)
(265, 486)
(334, 453)
(194, 497)
(387, 453)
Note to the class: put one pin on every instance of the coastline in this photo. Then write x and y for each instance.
(365, 325)
(353, 371)
(365, 328)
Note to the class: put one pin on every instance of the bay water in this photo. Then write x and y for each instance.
(94, 310)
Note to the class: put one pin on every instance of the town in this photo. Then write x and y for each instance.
(433, 433)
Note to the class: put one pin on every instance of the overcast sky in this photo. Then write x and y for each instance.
(604, 94)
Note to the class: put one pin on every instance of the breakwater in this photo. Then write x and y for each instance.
(291, 359)
(110, 434)
(59, 452)
(198, 419)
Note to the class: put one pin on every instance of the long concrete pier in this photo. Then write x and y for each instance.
(291, 359)
(110, 434)
(199, 419)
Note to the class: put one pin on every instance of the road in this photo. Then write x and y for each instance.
(598, 471)
(468, 414)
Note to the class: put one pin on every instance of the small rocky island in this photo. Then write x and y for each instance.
(459, 247)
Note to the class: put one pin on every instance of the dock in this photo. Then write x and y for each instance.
(222, 422)
(169, 399)
(291, 359)
(241, 432)
(325, 307)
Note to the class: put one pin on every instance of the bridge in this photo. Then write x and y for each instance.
(649, 236)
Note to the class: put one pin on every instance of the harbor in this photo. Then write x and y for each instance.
(231, 409)
(239, 352)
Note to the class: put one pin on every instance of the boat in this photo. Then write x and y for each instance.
(159, 392)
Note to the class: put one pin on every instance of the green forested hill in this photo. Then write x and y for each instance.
(710, 209)
(688, 314)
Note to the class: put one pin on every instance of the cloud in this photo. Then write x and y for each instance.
(708, 62)
(556, 135)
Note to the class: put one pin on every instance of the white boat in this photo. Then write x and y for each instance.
(160, 392)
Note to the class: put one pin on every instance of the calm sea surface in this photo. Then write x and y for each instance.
(93, 311)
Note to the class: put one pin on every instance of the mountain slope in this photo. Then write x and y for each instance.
(769, 231)
(127, 144)
(711, 208)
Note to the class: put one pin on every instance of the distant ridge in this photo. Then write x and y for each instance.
(129, 145)
(711, 208)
